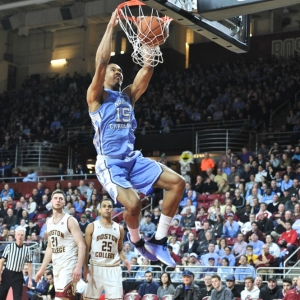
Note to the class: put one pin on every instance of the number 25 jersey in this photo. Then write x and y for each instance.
(104, 246)
(64, 248)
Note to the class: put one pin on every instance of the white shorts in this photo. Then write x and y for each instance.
(108, 279)
(62, 275)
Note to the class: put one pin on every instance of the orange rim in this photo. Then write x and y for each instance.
(136, 3)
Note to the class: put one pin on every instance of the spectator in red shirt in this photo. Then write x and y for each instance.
(288, 238)
(293, 294)
(265, 259)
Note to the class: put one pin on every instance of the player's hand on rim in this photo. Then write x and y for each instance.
(76, 274)
(114, 18)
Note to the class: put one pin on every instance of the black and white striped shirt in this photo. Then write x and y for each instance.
(16, 256)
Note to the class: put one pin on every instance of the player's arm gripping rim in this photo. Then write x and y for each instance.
(121, 252)
(96, 93)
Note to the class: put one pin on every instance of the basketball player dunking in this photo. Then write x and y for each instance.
(66, 248)
(119, 168)
(104, 240)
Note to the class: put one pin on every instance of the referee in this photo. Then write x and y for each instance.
(15, 255)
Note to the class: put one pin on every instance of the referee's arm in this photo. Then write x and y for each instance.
(29, 264)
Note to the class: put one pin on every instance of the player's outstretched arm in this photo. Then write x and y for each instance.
(95, 90)
(78, 238)
(88, 241)
(121, 252)
(45, 263)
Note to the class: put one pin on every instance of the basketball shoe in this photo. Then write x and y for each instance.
(140, 247)
(160, 248)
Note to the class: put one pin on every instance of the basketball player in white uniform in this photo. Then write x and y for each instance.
(66, 249)
(104, 239)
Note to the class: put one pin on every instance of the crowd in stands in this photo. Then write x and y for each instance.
(248, 91)
(247, 229)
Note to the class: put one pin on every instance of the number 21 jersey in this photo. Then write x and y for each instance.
(104, 246)
(64, 248)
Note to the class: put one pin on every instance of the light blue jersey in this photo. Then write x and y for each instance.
(118, 165)
(114, 124)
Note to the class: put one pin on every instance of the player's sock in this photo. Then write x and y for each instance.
(163, 227)
(134, 234)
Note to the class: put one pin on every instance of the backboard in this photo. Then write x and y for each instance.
(232, 33)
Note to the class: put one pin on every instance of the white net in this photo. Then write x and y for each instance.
(140, 33)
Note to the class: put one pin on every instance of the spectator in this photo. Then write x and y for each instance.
(188, 220)
(239, 247)
(83, 223)
(251, 291)
(198, 186)
(230, 281)
(223, 272)
(209, 187)
(149, 287)
(256, 243)
(165, 286)
(191, 245)
(206, 291)
(265, 259)
(127, 251)
(271, 291)
(265, 225)
(31, 208)
(220, 291)
(254, 229)
(79, 205)
(286, 183)
(88, 213)
(176, 258)
(286, 286)
(288, 238)
(258, 282)
(290, 204)
(194, 266)
(61, 169)
(206, 163)
(18, 211)
(31, 177)
(175, 244)
(10, 221)
(188, 290)
(156, 216)
(83, 188)
(148, 228)
(273, 247)
(231, 228)
(244, 270)
(189, 205)
(175, 228)
(211, 254)
(9, 191)
(140, 274)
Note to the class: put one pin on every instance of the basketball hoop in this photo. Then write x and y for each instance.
(146, 50)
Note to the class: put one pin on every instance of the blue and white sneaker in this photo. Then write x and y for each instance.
(160, 248)
(140, 247)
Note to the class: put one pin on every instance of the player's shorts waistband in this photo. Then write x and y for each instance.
(121, 156)
(101, 157)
